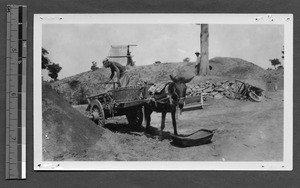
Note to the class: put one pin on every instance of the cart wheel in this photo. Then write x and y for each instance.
(135, 117)
(97, 112)
(254, 97)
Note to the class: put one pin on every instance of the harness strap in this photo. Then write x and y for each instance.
(170, 99)
(163, 100)
(167, 98)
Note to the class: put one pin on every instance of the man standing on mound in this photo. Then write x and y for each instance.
(198, 62)
(122, 77)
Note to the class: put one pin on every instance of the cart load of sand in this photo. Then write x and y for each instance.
(68, 135)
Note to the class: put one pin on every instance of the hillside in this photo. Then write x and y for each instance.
(75, 88)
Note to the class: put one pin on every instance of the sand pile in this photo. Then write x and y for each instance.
(68, 135)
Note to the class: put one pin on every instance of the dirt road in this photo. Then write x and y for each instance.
(245, 131)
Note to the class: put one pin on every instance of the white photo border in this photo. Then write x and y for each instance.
(285, 19)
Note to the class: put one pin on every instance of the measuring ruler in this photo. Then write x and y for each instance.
(16, 56)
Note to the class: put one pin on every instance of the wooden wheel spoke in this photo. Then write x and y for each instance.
(98, 113)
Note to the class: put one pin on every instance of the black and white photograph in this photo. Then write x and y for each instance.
(163, 92)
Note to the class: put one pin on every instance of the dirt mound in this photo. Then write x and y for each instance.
(75, 88)
(67, 135)
(235, 68)
(275, 78)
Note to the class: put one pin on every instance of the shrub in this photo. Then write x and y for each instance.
(74, 83)
(94, 66)
(81, 96)
(186, 60)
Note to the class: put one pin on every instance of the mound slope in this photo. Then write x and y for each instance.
(74, 88)
(67, 135)
(235, 68)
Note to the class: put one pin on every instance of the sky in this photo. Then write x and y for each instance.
(75, 46)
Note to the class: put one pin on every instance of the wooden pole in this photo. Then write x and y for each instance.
(204, 36)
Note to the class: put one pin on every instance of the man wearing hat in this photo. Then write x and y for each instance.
(198, 62)
(122, 77)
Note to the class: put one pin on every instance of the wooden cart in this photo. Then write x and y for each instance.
(117, 102)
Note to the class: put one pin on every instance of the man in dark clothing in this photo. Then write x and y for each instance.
(198, 62)
(122, 77)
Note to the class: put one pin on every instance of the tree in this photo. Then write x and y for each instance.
(275, 62)
(280, 67)
(45, 60)
(186, 60)
(94, 66)
(54, 69)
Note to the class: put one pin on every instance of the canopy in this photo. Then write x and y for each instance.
(120, 54)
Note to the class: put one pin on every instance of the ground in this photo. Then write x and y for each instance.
(244, 131)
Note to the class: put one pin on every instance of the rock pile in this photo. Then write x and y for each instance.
(230, 89)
